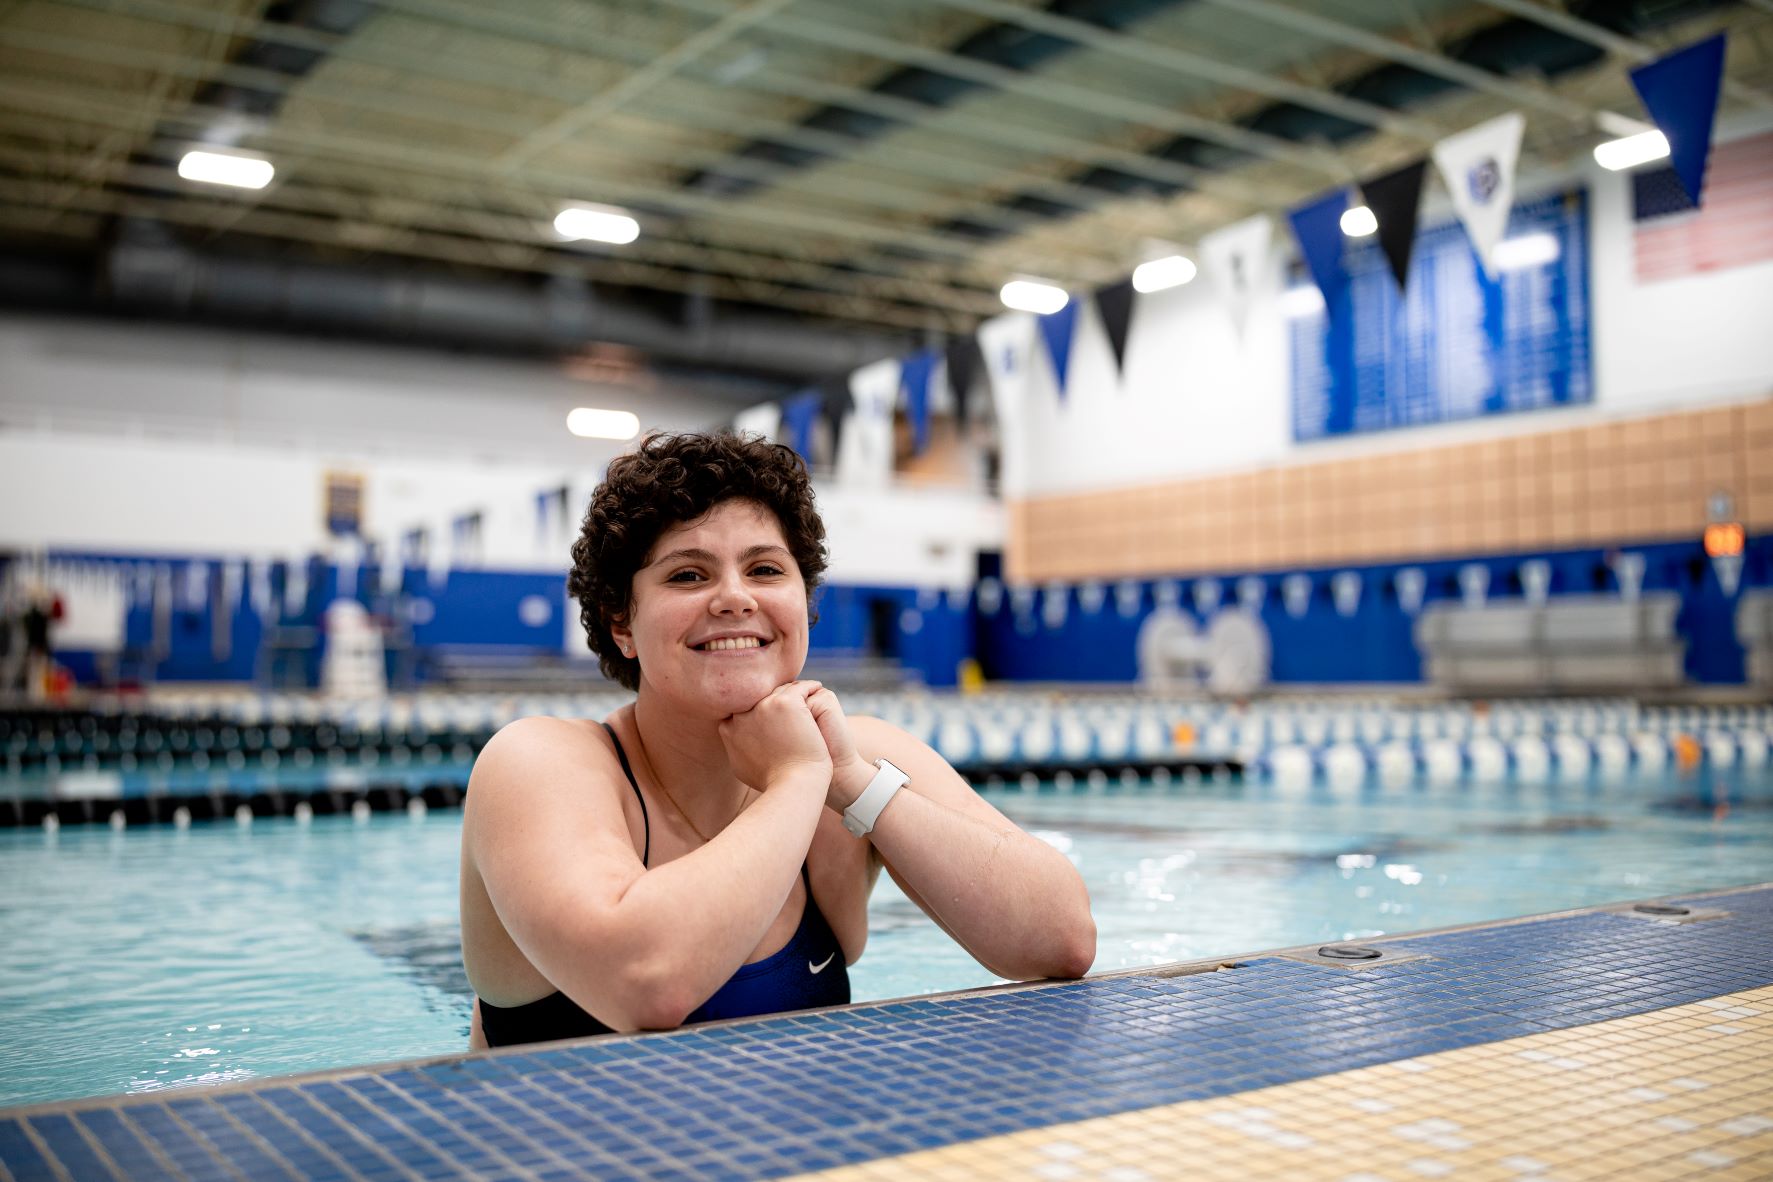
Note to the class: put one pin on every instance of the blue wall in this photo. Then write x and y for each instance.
(1375, 643)
(930, 633)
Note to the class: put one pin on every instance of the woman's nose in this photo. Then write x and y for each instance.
(731, 595)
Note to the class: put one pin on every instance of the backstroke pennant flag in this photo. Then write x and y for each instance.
(1681, 93)
(1394, 199)
(1056, 329)
(1318, 227)
(914, 379)
(1236, 258)
(1478, 167)
(1115, 303)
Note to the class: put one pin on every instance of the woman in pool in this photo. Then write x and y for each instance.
(708, 851)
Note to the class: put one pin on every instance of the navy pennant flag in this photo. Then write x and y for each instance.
(1055, 330)
(1115, 303)
(1318, 227)
(964, 362)
(1681, 93)
(914, 380)
(1394, 199)
(834, 394)
(798, 416)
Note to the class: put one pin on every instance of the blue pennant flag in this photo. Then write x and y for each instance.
(798, 415)
(1318, 226)
(914, 379)
(1681, 93)
(1055, 330)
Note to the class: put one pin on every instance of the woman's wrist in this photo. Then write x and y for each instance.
(847, 782)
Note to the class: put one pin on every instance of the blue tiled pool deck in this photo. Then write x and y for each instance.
(1605, 1043)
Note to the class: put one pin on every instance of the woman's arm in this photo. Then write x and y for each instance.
(1015, 903)
(638, 948)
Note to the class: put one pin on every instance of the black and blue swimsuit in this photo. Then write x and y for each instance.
(808, 971)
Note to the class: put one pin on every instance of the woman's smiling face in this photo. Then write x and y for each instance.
(718, 615)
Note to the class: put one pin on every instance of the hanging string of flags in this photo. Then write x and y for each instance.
(1477, 167)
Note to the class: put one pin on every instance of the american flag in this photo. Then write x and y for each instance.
(1732, 228)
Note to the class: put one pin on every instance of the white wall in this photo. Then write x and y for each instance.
(1197, 399)
(136, 440)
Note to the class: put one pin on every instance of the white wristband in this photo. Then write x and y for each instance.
(859, 818)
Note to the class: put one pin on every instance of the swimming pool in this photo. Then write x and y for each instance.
(158, 957)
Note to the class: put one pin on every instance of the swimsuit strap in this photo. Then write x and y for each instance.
(635, 784)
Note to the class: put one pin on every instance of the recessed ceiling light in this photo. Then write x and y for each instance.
(218, 168)
(596, 223)
(1359, 222)
(1027, 295)
(591, 423)
(1631, 151)
(1170, 271)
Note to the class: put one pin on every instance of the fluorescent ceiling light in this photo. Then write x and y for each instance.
(1358, 222)
(217, 168)
(1529, 250)
(596, 223)
(1025, 295)
(591, 423)
(1299, 302)
(1631, 151)
(1158, 274)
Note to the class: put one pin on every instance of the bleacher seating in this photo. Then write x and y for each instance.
(1572, 642)
(1754, 629)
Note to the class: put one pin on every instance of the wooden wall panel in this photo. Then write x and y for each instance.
(1636, 480)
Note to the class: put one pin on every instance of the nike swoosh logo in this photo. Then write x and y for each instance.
(820, 967)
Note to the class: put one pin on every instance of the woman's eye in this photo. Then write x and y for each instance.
(767, 569)
(684, 576)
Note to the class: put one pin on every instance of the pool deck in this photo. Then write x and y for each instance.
(1605, 1043)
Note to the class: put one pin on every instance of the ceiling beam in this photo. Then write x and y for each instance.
(1142, 49)
(1617, 44)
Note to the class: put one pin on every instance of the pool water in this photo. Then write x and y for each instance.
(160, 957)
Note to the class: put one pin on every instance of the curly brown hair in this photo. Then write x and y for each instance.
(669, 480)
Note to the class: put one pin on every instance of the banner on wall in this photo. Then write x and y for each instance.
(1006, 343)
(1236, 258)
(1394, 199)
(866, 455)
(1681, 93)
(1478, 167)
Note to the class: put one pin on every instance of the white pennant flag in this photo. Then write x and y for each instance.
(1411, 583)
(1237, 259)
(1296, 594)
(865, 450)
(1478, 168)
(1728, 568)
(1345, 591)
(1007, 343)
(764, 419)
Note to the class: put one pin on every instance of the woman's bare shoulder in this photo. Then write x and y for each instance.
(535, 755)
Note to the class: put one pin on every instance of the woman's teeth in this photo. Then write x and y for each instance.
(736, 642)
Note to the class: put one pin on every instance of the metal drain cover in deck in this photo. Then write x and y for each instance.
(1352, 954)
(1667, 912)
